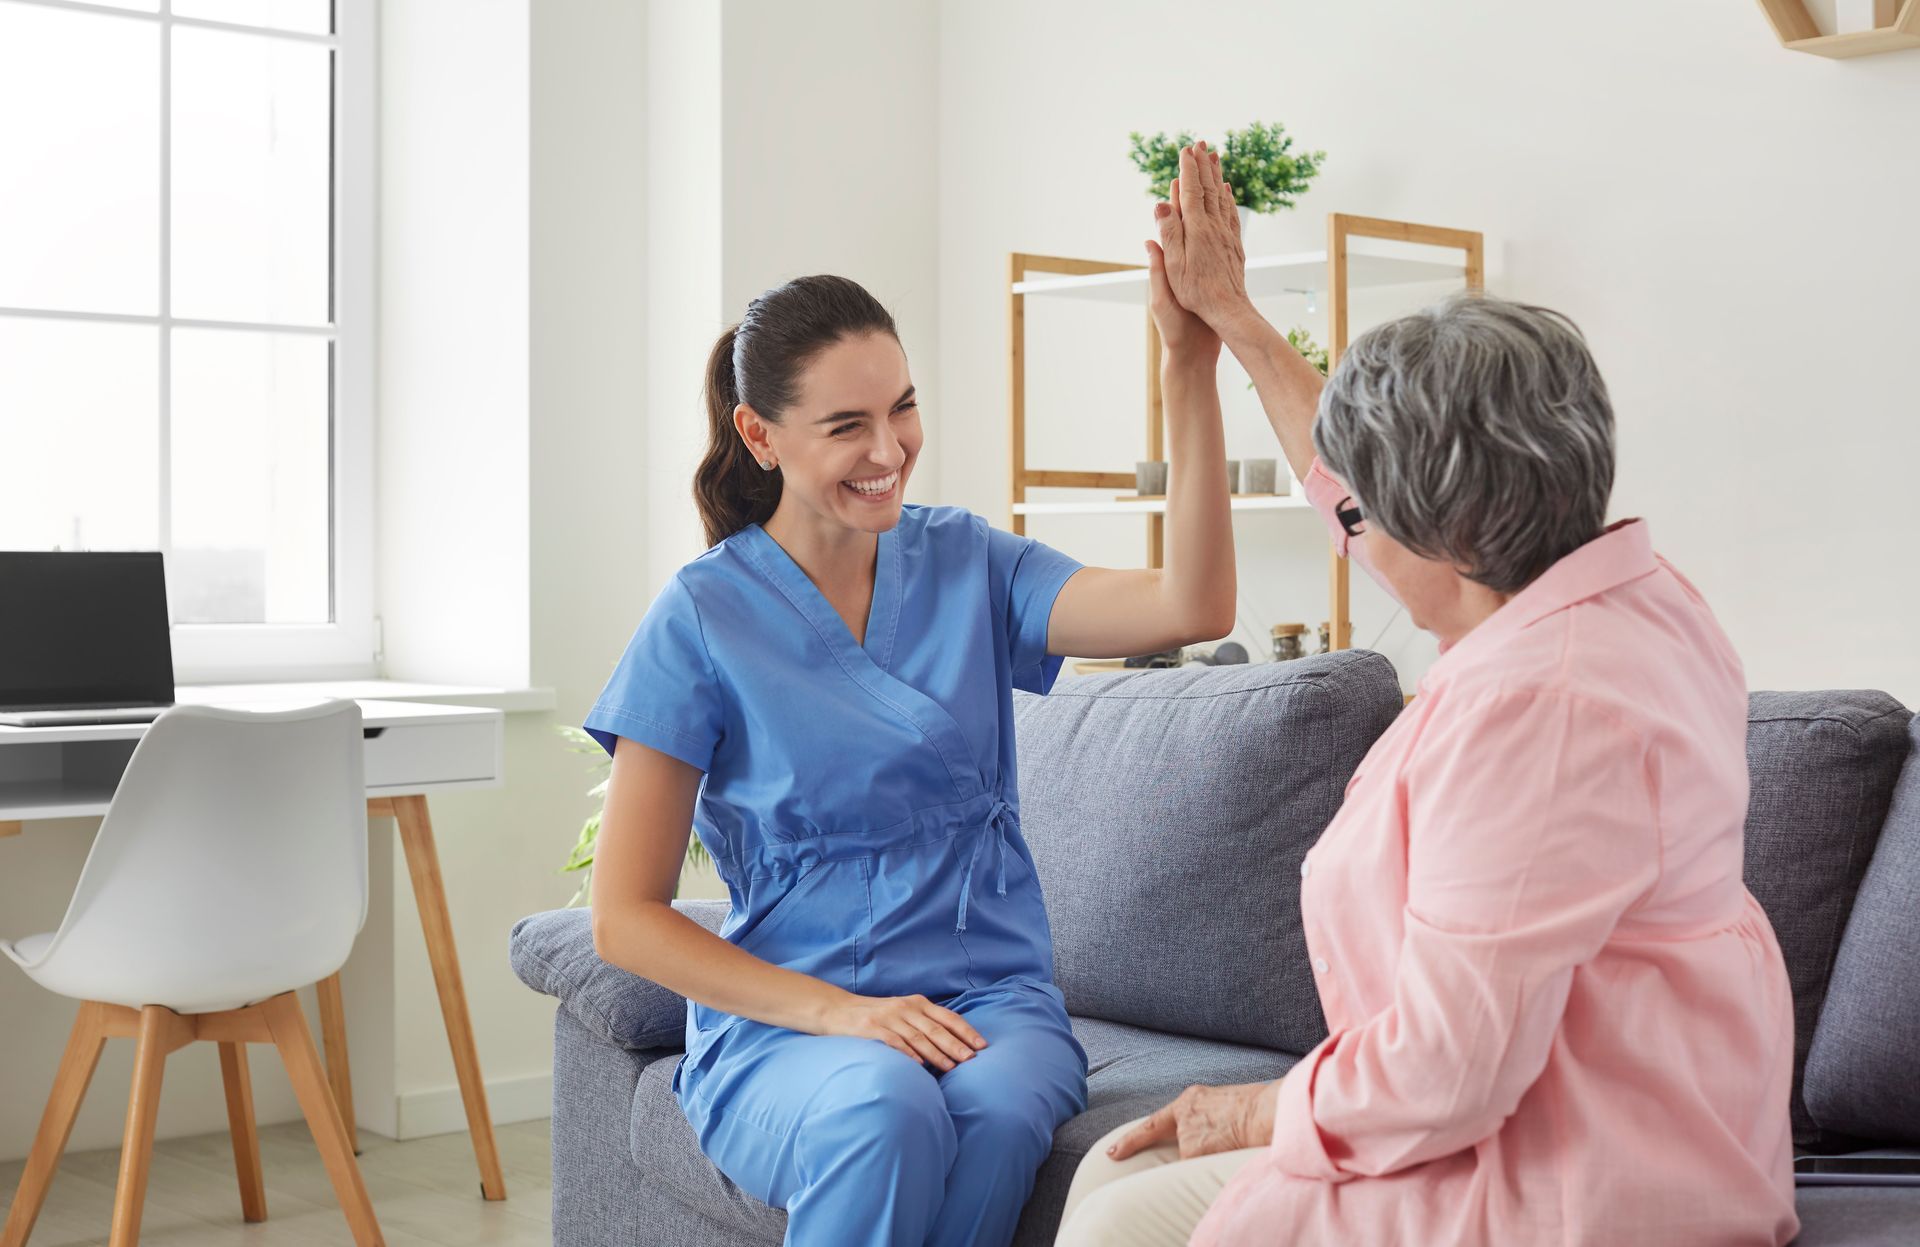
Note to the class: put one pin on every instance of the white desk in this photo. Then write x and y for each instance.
(413, 749)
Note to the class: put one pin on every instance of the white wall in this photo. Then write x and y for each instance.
(1725, 219)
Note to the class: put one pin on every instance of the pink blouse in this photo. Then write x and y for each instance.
(1556, 1013)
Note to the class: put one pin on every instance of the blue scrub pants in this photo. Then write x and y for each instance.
(866, 1147)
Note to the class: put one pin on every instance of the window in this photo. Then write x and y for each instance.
(186, 286)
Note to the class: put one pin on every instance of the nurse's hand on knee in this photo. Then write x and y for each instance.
(912, 1025)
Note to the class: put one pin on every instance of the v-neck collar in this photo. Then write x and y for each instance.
(883, 612)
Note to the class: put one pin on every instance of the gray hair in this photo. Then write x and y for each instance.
(1476, 431)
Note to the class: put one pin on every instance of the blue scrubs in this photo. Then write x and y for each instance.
(860, 804)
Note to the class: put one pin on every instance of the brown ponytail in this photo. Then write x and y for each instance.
(759, 362)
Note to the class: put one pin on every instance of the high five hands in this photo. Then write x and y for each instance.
(1199, 265)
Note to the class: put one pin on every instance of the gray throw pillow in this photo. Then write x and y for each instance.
(1822, 766)
(1168, 812)
(1861, 1071)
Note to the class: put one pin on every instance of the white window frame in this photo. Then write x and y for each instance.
(346, 647)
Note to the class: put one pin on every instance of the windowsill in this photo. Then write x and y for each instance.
(511, 700)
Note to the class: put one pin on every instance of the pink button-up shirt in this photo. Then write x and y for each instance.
(1556, 1013)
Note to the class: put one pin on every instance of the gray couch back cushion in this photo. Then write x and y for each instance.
(1823, 767)
(1863, 1072)
(1168, 812)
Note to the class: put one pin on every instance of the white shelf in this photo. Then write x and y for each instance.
(1370, 262)
(1158, 506)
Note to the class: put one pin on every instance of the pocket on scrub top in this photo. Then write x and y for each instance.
(814, 924)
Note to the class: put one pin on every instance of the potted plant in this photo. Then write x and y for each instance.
(582, 856)
(1259, 163)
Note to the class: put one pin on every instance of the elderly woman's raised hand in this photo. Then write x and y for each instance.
(1205, 1120)
(1200, 234)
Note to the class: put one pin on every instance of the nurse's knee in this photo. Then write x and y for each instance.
(888, 1100)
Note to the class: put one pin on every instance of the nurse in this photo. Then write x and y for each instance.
(874, 1041)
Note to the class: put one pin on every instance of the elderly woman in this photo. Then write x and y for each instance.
(1556, 1015)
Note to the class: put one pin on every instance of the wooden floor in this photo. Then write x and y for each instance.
(425, 1191)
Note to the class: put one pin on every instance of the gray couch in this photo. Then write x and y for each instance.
(1169, 812)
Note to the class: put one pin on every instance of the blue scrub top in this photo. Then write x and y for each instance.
(859, 801)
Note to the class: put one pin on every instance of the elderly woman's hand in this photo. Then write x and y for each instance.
(1205, 1120)
(1200, 234)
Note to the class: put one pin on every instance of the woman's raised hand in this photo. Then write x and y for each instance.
(1200, 236)
(1183, 333)
(912, 1025)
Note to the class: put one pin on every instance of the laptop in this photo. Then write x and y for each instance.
(83, 638)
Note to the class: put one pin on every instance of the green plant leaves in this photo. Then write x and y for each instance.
(1258, 162)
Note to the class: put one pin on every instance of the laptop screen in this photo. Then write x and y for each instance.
(83, 629)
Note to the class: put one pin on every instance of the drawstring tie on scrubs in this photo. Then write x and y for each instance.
(995, 828)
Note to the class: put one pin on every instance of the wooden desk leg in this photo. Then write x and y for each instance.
(429, 893)
(333, 1033)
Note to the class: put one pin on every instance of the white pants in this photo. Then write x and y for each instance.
(1151, 1199)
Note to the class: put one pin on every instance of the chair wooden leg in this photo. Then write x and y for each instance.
(246, 1136)
(56, 1124)
(159, 1031)
(333, 1035)
(295, 1042)
(429, 894)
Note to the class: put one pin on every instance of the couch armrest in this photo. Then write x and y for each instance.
(553, 953)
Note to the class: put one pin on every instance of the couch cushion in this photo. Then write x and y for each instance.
(1131, 1072)
(1822, 767)
(1168, 812)
(553, 953)
(1861, 1073)
(1857, 1216)
(667, 1151)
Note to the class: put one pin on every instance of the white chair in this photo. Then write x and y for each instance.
(230, 869)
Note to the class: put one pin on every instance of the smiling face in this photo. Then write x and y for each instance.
(847, 445)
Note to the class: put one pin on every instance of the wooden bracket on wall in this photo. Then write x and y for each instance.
(1896, 25)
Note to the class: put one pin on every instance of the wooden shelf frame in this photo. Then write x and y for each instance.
(1341, 229)
(1896, 27)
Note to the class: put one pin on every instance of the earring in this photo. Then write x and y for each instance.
(766, 465)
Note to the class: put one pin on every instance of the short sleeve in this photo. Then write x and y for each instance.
(665, 693)
(1030, 574)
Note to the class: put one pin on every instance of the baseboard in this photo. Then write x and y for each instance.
(440, 1110)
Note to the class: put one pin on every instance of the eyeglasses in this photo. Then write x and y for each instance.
(1347, 511)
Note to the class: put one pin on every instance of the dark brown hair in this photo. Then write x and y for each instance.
(758, 362)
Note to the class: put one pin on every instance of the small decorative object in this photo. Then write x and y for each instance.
(1165, 658)
(1233, 476)
(1229, 653)
(1289, 641)
(1259, 163)
(582, 856)
(1150, 477)
(1326, 638)
(1258, 475)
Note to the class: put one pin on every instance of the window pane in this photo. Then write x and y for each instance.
(251, 509)
(79, 435)
(79, 161)
(313, 17)
(252, 125)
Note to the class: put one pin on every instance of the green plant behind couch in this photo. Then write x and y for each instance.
(1258, 162)
(582, 856)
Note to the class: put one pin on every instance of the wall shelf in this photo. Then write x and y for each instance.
(1158, 506)
(1896, 27)
(1268, 276)
(1360, 252)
